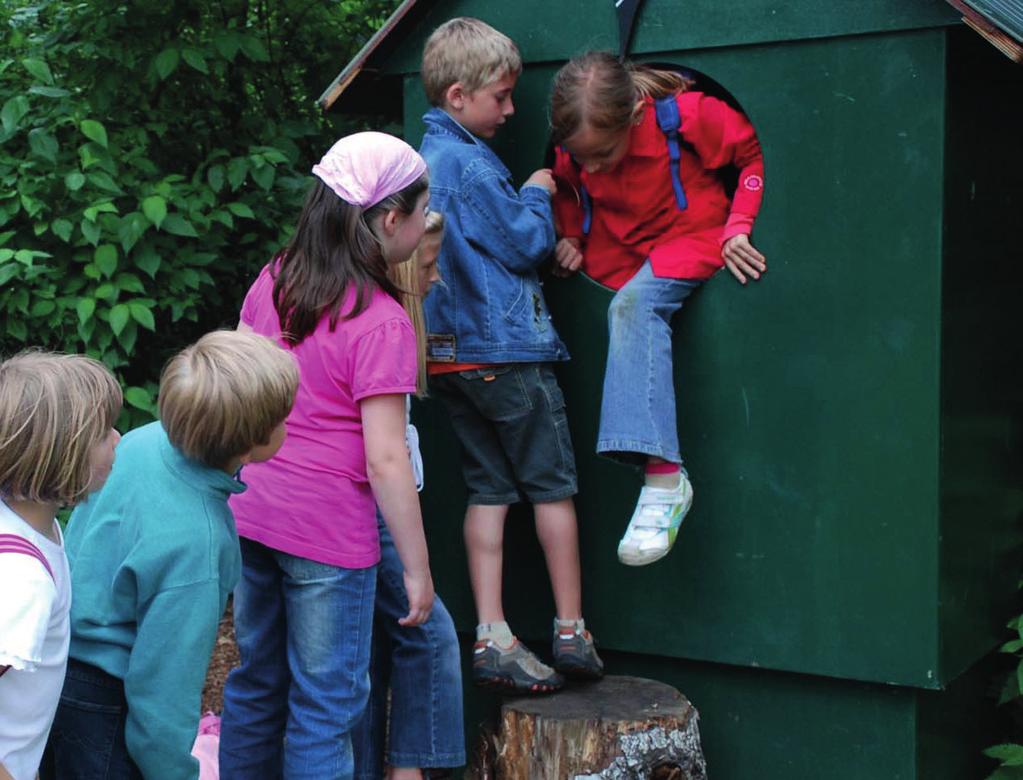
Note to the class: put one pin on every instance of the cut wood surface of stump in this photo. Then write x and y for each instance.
(620, 728)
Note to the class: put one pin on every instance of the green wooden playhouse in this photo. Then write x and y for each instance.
(851, 423)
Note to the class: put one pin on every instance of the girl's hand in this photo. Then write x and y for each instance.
(742, 259)
(567, 257)
(420, 599)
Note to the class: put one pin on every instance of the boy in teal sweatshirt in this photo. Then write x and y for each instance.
(154, 556)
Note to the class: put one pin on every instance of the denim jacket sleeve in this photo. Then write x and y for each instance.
(514, 228)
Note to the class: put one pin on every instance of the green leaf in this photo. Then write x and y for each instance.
(127, 336)
(119, 316)
(1008, 754)
(94, 131)
(49, 92)
(264, 176)
(227, 44)
(223, 217)
(106, 292)
(93, 211)
(133, 226)
(1012, 646)
(241, 210)
(166, 61)
(155, 209)
(13, 112)
(215, 177)
(129, 282)
(179, 226)
(39, 69)
(74, 181)
(254, 49)
(148, 260)
(105, 259)
(139, 398)
(104, 182)
(62, 228)
(8, 272)
(85, 308)
(43, 144)
(195, 59)
(42, 308)
(236, 170)
(90, 230)
(142, 315)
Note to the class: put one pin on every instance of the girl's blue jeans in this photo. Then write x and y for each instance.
(421, 666)
(637, 413)
(303, 631)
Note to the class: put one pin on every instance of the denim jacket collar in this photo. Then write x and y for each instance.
(440, 122)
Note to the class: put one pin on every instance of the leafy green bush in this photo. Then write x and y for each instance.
(152, 157)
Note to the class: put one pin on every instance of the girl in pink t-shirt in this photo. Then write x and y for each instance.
(303, 609)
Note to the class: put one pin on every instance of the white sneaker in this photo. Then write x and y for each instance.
(654, 524)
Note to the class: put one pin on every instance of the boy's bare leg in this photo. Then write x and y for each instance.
(404, 773)
(484, 544)
(559, 537)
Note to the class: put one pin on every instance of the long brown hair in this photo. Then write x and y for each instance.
(333, 247)
(597, 89)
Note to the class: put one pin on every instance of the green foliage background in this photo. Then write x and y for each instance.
(153, 156)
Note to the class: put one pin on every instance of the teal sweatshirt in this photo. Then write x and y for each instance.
(153, 557)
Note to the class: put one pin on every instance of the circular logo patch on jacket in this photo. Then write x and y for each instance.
(753, 183)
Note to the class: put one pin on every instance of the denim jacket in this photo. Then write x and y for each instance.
(489, 307)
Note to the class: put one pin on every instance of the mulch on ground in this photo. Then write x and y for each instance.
(223, 660)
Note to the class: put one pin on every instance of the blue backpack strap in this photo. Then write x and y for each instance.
(669, 122)
(584, 198)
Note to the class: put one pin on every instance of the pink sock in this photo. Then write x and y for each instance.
(662, 475)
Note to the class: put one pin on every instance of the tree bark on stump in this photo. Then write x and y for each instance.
(620, 728)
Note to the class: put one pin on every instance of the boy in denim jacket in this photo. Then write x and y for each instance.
(491, 345)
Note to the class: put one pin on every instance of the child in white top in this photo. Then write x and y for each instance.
(56, 446)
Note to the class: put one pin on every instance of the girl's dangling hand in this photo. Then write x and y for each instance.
(420, 598)
(742, 259)
(567, 257)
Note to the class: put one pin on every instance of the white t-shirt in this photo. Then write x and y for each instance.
(35, 631)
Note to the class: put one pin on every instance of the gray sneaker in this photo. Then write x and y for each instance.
(574, 654)
(515, 670)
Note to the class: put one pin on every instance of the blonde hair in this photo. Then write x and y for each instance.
(54, 409)
(410, 294)
(469, 51)
(225, 394)
(599, 90)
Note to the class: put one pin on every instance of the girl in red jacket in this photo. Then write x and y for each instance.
(632, 223)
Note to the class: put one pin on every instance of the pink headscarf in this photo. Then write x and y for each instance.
(365, 168)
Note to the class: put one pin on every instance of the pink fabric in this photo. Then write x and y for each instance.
(206, 748)
(365, 168)
(313, 498)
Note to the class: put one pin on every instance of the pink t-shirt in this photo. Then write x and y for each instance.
(313, 499)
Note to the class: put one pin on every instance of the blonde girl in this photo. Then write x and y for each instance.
(418, 665)
(56, 447)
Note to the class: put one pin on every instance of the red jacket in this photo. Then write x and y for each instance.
(635, 215)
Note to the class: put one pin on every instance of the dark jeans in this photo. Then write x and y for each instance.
(87, 738)
(511, 422)
(421, 667)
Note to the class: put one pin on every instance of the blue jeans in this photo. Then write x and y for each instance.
(637, 413)
(87, 738)
(303, 631)
(422, 667)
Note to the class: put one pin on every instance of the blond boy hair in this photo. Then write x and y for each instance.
(225, 394)
(469, 51)
(54, 409)
(405, 277)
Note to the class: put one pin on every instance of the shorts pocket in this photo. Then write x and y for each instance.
(498, 392)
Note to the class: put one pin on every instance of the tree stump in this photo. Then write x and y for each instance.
(620, 728)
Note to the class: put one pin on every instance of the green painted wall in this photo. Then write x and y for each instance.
(851, 423)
